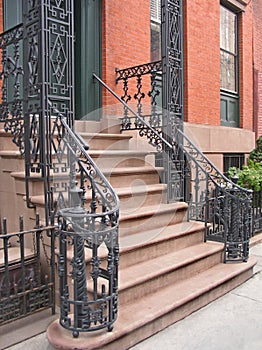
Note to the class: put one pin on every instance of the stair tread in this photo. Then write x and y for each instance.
(10, 153)
(146, 270)
(105, 135)
(159, 208)
(134, 170)
(142, 311)
(140, 189)
(120, 152)
(114, 171)
(121, 191)
(156, 235)
(174, 296)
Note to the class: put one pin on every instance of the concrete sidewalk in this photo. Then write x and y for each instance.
(232, 322)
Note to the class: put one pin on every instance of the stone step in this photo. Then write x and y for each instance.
(143, 278)
(11, 160)
(98, 141)
(133, 175)
(6, 143)
(130, 198)
(157, 216)
(151, 244)
(128, 177)
(111, 159)
(145, 316)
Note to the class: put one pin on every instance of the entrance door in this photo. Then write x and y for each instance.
(87, 57)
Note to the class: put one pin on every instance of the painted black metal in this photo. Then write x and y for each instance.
(11, 75)
(257, 212)
(24, 289)
(43, 108)
(89, 224)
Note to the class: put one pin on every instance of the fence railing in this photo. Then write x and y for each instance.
(25, 286)
(257, 212)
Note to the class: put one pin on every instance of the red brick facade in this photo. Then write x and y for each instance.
(126, 42)
(202, 63)
(257, 40)
(125, 38)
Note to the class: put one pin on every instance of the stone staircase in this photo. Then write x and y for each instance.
(166, 270)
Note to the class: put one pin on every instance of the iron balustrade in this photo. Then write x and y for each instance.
(257, 212)
(224, 207)
(25, 287)
(11, 77)
(88, 235)
(145, 91)
(37, 69)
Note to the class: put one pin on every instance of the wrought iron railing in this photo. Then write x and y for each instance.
(257, 212)
(38, 108)
(24, 287)
(224, 207)
(142, 87)
(88, 234)
(11, 78)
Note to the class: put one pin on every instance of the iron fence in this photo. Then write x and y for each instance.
(27, 281)
(257, 212)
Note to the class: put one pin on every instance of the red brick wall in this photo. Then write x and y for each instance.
(202, 63)
(257, 25)
(126, 39)
(246, 67)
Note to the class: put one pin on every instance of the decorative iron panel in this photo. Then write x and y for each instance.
(23, 287)
(11, 75)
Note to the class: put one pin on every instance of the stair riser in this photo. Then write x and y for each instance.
(131, 179)
(130, 203)
(12, 163)
(138, 292)
(112, 162)
(148, 329)
(97, 143)
(139, 224)
(6, 143)
(147, 252)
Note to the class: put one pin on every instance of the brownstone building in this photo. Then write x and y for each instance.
(219, 51)
(162, 238)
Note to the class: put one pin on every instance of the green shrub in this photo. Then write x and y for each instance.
(256, 154)
(250, 176)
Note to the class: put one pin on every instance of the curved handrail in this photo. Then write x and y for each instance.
(88, 218)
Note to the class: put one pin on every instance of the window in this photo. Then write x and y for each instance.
(155, 29)
(232, 159)
(229, 92)
(12, 13)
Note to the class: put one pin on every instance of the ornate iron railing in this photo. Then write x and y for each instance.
(257, 212)
(37, 67)
(88, 234)
(144, 91)
(224, 207)
(11, 77)
(24, 289)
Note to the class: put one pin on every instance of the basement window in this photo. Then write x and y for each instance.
(232, 159)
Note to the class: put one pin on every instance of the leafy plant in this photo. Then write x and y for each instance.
(256, 154)
(250, 176)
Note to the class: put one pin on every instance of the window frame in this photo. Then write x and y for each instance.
(229, 99)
